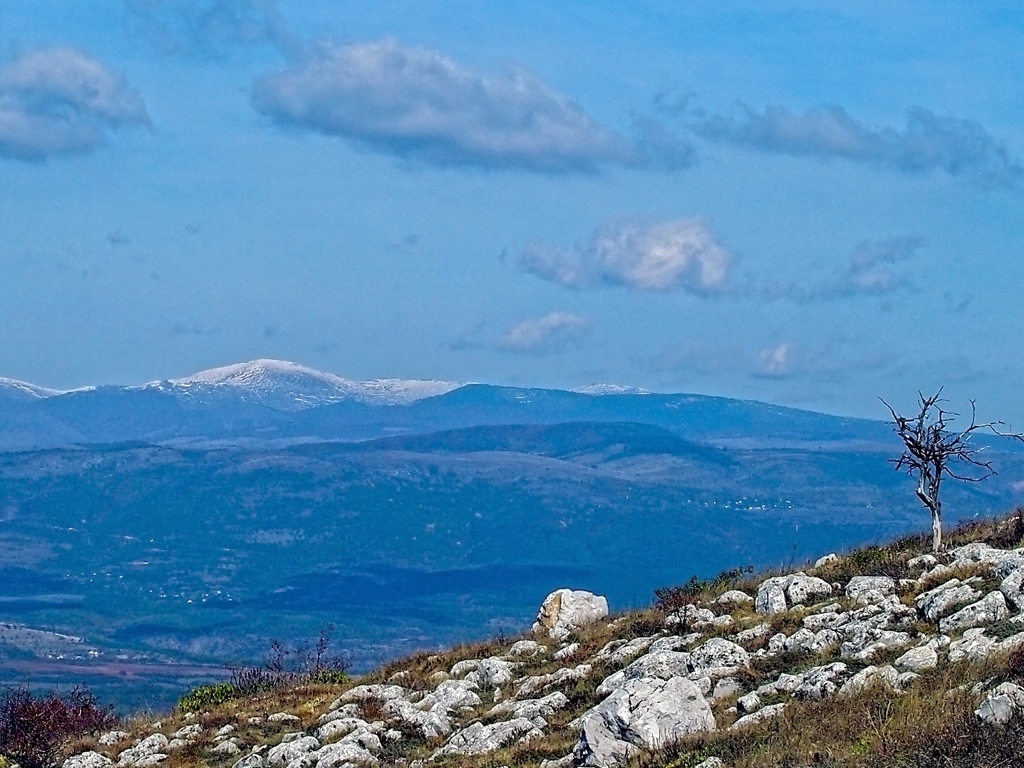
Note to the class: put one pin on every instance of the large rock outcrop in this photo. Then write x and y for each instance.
(566, 610)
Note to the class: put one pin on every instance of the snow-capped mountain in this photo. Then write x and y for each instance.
(610, 389)
(288, 386)
(13, 389)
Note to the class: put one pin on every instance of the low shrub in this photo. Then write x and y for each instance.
(35, 729)
(304, 665)
(696, 589)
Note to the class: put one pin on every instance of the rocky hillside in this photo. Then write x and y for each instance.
(884, 657)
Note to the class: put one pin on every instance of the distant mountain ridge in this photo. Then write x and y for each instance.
(268, 400)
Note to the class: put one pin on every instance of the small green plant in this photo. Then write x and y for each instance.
(206, 696)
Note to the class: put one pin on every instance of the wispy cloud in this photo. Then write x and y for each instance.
(207, 27)
(555, 332)
(660, 256)
(775, 362)
(420, 105)
(928, 141)
(59, 101)
(873, 270)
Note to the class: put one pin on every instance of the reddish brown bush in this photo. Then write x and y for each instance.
(34, 729)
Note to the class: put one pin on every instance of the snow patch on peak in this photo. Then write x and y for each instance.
(289, 386)
(610, 389)
(22, 390)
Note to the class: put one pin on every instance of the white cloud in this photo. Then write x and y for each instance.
(872, 271)
(56, 101)
(419, 104)
(660, 256)
(776, 362)
(928, 142)
(555, 332)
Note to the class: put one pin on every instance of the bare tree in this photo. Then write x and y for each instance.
(933, 451)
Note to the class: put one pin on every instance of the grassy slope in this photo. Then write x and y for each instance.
(930, 725)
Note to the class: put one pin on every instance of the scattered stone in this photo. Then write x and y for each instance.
(622, 651)
(918, 659)
(711, 762)
(765, 713)
(463, 668)
(870, 589)
(754, 633)
(284, 753)
(748, 703)
(733, 597)
(478, 739)
(988, 610)
(531, 685)
(283, 717)
(228, 748)
(771, 596)
(88, 760)
(870, 676)
(566, 610)
(255, 760)
(937, 602)
(646, 713)
(527, 648)
(431, 724)
(1012, 588)
(567, 652)
(451, 696)
(532, 708)
(1000, 704)
(826, 560)
(821, 682)
(491, 672)
(145, 749)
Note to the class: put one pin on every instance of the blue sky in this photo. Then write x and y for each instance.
(813, 204)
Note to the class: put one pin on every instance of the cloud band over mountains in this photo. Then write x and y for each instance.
(421, 105)
(59, 101)
(660, 256)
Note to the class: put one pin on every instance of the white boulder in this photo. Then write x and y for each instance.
(566, 610)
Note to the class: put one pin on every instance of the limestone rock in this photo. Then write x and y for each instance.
(566, 610)
(227, 748)
(1012, 588)
(1001, 703)
(283, 754)
(490, 673)
(826, 560)
(918, 659)
(937, 602)
(821, 682)
(567, 652)
(718, 654)
(478, 739)
(464, 667)
(531, 685)
(364, 692)
(431, 724)
(804, 590)
(870, 589)
(733, 597)
(771, 596)
(988, 610)
(869, 676)
(663, 665)
(88, 760)
(527, 648)
(748, 703)
(255, 760)
(646, 713)
(532, 708)
(765, 713)
(339, 755)
(283, 717)
(450, 696)
(147, 748)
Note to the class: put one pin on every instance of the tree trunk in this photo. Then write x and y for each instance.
(936, 529)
